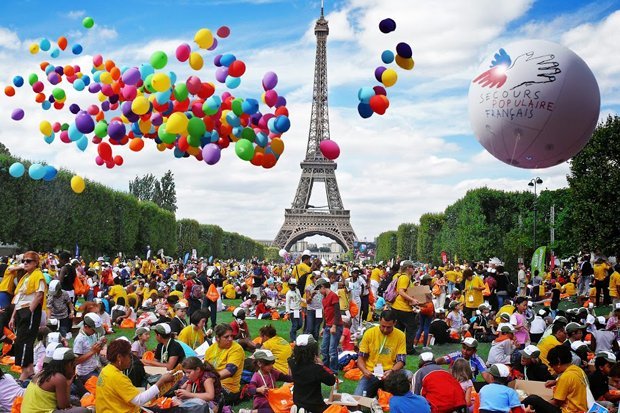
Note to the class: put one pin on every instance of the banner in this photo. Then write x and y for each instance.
(364, 250)
(444, 257)
(538, 260)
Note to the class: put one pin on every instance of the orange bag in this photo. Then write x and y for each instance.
(487, 291)
(91, 385)
(353, 374)
(349, 366)
(148, 355)
(336, 408)
(384, 399)
(17, 405)
(79, 286)
(212, 293)
(88, 400)
(353, 309)
(16, 369)
(275, 315)
(281, 399)
(371, 299)
(127, 323)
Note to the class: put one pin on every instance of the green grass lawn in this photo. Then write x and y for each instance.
(348, 386)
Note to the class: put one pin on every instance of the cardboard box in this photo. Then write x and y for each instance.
(534, 387)
(155, 370)
(419, 292)
(335, 398)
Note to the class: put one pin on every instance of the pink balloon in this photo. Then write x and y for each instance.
(99, 160)
(330, 149)
(271, 97)
(183, 52)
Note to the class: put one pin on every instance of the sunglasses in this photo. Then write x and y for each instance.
(27, 261)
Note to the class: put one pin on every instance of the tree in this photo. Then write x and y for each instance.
(143, 188)
(406, 241)
(594, 180)
(4, 150)
(163, 192)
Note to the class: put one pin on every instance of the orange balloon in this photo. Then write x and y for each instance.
(39, 97)
(258, 158)
(62, 42)
(44, 65)
(109, 64)
(9, 91)
(194, 150)
(277, 146)
(100, 116)
(69, 70)
(115, 72)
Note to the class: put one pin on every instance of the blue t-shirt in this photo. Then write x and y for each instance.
(408, 403)
(475, 362)
(498, 398)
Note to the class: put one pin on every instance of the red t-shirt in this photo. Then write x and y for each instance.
(188, 288)
(239, 331)
(331, 304)
(261, 309)
(347, 345)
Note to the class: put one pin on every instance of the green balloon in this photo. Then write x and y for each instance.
(32, 78)
(159, 59)
(88, 22)
(65, 126)
(148, 85)
(244, 149)
(249, 134)
(193, 140)
(236, 106)
(180, 92)
(164, 136)
(101, 129)
(196, 127)
(209, 110)
(58, 93)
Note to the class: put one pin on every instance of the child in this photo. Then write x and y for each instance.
(262, 309)
(106, 320)
(203, 383)
(39, 348)
(60, 307)
(87, 346)
(264, 379)
(403, 400)
(496, 396)
(345, 340)
(455, 318)
(119, 311)
(138, 347)
(461, 370)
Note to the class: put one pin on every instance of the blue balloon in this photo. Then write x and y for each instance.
(55, 53)
(282, 124)
(365, 93)
(77, 49)
(178, 153)
(261, 139)
(364, 110)
(249, 106)
(232, 119)
(215, 136)
(49, 139)
(74, 133)
(82, 143)
(18, 81)
(78, 84)
(50, 173)
(46, 105)
(44, 44)
(49, 69)
(227, 59)
(232, 82)
(145, 71)
(387, 57)
(36, 171)
(86, 80)
(17, 170)
(271, 124)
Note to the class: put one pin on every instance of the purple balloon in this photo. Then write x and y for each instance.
(132, 117)
(60, 70)
(131, 76)
(211, 153)
(404, 50)
(113, 99)
(116, 130)
(75, 109)
(157, 119)
(220, 74)
(53, 78)
(270, 80)
(280, 102)
(214, 45)
(378, 72)
(84, 122)
(105, 106)
(94, 88)
(217, 60)
(18, 114)
(126, 108)
(387, 25)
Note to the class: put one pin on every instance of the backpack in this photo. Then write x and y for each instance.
(443, 392)
(391, 292)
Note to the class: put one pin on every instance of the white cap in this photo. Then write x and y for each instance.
(427, 356)
(304, 340)
(590, 319)
(49, 350)
(576, 344)
(531, 350)
(601, 319)
(54, 286)
(53, 337)
(499, 370)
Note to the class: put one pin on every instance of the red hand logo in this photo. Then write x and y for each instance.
(494, 77)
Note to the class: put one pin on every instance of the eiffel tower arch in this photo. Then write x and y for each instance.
(302, 219)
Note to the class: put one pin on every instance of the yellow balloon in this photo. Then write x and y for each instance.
(161, 147)
(177, 123)
(102, 97)
(404, 63)
(195, 61)
(140, 105)
(160, 82)
(389, 77)
(145, 126)
(194, 150)
(45, 127)
(223, 120)
(106, 78)
(77, 184)
(34, 48)
(277, 146)
(204, 38)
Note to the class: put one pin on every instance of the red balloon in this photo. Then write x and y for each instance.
(64, 137)
(206, 90)
(109, 164)
(223, 32)
(257, 159)
(99, 161)
(236, 68)
(193, 84)
(118, 160)
(329, 149)
(223, 142)
(269, 161)
(379, 104)
(182, 144)
(379, 90)
(105, 151)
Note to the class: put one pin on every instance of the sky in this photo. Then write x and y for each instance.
(421, 156)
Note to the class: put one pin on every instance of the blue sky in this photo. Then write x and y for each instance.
(419, 157)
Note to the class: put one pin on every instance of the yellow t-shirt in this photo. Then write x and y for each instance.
(600, 271)
(135, 297)
(473, 298)
(571, 388)
(38, 400)
(177, 293)
(404, 281)
(153, 294)
(192, 337)
(376, 274)
(117, 291)
(508, 308)
(300, 270)
(114, 392)
(451, 276)
(381, 348)
(614, 284)
(282, 351)
(219, 358)
(343, 300)
(229, 291)
(569, 288)
(545, 345)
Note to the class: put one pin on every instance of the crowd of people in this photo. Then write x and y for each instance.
(56, 311)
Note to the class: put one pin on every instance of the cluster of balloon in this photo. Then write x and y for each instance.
(147, 103)
(36, 171)
(374, 99)
(534, 104)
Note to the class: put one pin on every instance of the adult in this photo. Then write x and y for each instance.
(314, 302)
(474, 286)
(440, 388)
(67, 273)
(521, 280)
(258, 278)
(115, 391)
(468, 352)
(301, 272)
(382, 351)
(599, 379)
(28, 302)
(569, 394)
(227, 357)
(332, 329)
(9, 391)
(601, 279)
(614, 286)
(403, 305)
(168, 353)
(358, 289)
(293, 308)
(530, 367)
(279, 347)
(585, 275)
(308, 374)
(574, 332)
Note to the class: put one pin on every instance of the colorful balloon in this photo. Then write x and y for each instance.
(17, 114)
(203, 38)
(88, 22)
(404, 50)
(329, 149)
(77, 184)
(16, 170)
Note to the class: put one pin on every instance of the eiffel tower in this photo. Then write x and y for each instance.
(303, 220)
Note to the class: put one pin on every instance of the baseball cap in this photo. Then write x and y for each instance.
(484, 306)
(49, 351)
(163, 329)
(470, 342)
(560, 319)
(504, 316)
(63, 353)
(507, 328)
(575, 345)
(93, 321)
(453, 304)
(292, 281)
(426, 277)
(239, 313)
(601, 320)
(572, 327)
(304, 340)
(320, 283)
(607, 355)
(54, 286)
(180, 306)
(590, 319)
(427, 356)
(355, 270)
(499, 370)
(140, 331)
(530, 351)
(406, 263)
(264, 355)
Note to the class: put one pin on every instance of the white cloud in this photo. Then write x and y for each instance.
(75, 14)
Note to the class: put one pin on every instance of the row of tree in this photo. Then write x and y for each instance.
(488, 223)
(162, 192)
(49, 216)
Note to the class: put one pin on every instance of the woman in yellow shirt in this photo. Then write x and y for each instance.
(227, 356)
(473, 292)
(193, 335)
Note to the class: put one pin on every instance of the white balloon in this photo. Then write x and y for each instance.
(282, 253)
(534, 104)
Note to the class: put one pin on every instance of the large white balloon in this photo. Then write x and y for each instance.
(534, 104)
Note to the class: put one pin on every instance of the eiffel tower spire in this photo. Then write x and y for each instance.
(303, 220)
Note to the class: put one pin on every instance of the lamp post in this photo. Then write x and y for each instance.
(534, 183)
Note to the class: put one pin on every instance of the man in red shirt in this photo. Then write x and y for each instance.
(332, 329)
